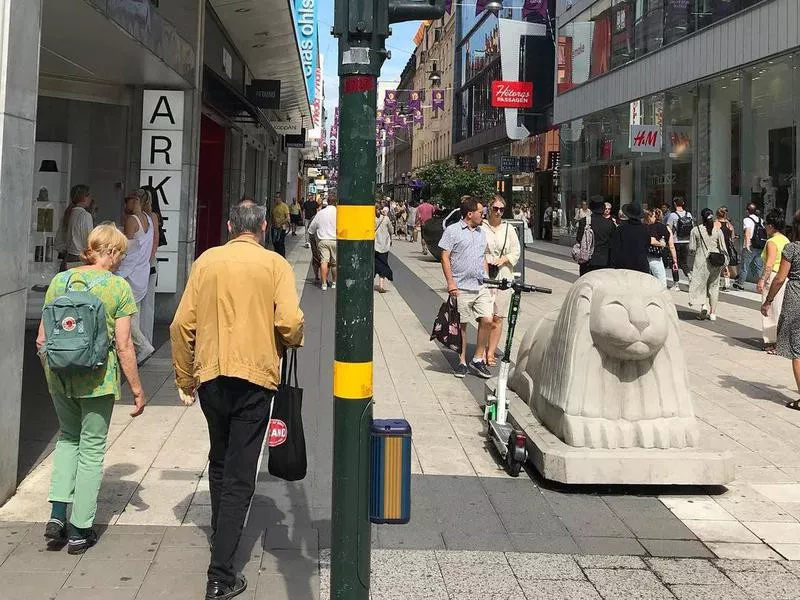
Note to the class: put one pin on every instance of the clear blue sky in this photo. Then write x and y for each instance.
(400, 43)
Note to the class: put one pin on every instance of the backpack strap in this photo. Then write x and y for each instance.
(102, 279)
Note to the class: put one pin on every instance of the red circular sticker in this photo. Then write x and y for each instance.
(68, 324)
(278, 432)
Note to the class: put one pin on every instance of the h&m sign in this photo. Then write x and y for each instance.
(645, 138)
(161, 164)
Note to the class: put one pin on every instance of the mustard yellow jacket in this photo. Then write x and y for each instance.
(238, 311)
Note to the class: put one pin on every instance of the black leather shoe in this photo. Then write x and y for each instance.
(217, 590)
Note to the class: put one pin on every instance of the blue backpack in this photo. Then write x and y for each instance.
(75, 329)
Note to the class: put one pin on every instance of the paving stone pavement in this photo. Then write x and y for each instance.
(475, 533)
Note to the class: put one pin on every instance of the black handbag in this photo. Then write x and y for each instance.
(447, 326)
(715, 259)
(285, 437)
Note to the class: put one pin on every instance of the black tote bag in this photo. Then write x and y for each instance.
(286, 439)
(447, 326)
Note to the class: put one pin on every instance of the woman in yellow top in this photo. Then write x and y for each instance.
(774, 223)
(295, 218)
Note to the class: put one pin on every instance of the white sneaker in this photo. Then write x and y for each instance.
(324, 286)
(333, 285)
(712, 317)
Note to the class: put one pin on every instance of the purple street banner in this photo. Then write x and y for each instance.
(480, 6)
(379, 120)
(419, 119)
(390, 133)
(448, 6)
(388, 120)
(414, 100)
(390, 99)
(534, 7)
(438, 99)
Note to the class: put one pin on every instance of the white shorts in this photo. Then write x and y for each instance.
(502, 302)
(475, 305)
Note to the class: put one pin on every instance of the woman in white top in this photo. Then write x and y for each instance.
(151, 209)
(502, 251)
(383, 241)
(135, 267)
(76, 225)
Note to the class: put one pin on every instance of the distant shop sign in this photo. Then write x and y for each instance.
(512, 94)
(286, 127)
(296, 141)
(161, 163)
(265, 93)
(509, 164)
(645, 138)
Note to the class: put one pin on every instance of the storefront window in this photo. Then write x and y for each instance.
(612, 33)
(726, 141)
(482, 47)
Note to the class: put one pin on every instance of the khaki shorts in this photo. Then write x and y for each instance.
(502, 301)
(475, 305)
(327, 251)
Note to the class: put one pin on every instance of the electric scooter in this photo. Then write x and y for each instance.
(510, 443)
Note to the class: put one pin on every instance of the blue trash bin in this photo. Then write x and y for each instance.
(390, 471)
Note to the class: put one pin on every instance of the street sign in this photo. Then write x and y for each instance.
(312, 189)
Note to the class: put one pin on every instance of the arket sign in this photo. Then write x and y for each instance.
(161, 159)
(512, 94)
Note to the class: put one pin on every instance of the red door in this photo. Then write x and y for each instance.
(209, 185)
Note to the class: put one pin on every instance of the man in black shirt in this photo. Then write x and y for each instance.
(630, 245)
(603, 230)
(310, 208)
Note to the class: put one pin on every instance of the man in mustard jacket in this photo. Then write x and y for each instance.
(238, 312)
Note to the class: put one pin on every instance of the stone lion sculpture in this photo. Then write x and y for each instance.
(606, 370)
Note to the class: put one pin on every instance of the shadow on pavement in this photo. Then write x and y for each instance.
(759, 391)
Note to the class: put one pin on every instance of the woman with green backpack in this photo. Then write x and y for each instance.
(84, 338)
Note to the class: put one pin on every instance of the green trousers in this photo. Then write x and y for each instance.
(79, 454)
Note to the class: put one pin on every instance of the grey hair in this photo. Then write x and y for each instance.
(247, 217)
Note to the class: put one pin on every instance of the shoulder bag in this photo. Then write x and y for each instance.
(494, 270)
(715, 259)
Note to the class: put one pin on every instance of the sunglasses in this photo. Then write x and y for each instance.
(498, 208)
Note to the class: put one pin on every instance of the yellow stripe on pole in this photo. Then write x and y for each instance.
(352, 381)
(356, 223)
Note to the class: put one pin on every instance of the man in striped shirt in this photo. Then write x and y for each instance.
(464, 264)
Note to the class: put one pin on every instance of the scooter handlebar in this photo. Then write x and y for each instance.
(505, 284)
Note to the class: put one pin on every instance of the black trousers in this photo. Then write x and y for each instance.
(237, 412)
(279, 241)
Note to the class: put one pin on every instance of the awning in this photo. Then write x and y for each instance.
(264, 34)
(223, 97)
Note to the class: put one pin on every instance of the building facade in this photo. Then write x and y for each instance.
(399, 146)
(697, 99)
(435, 55)
(115, 95)
(500, 47)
